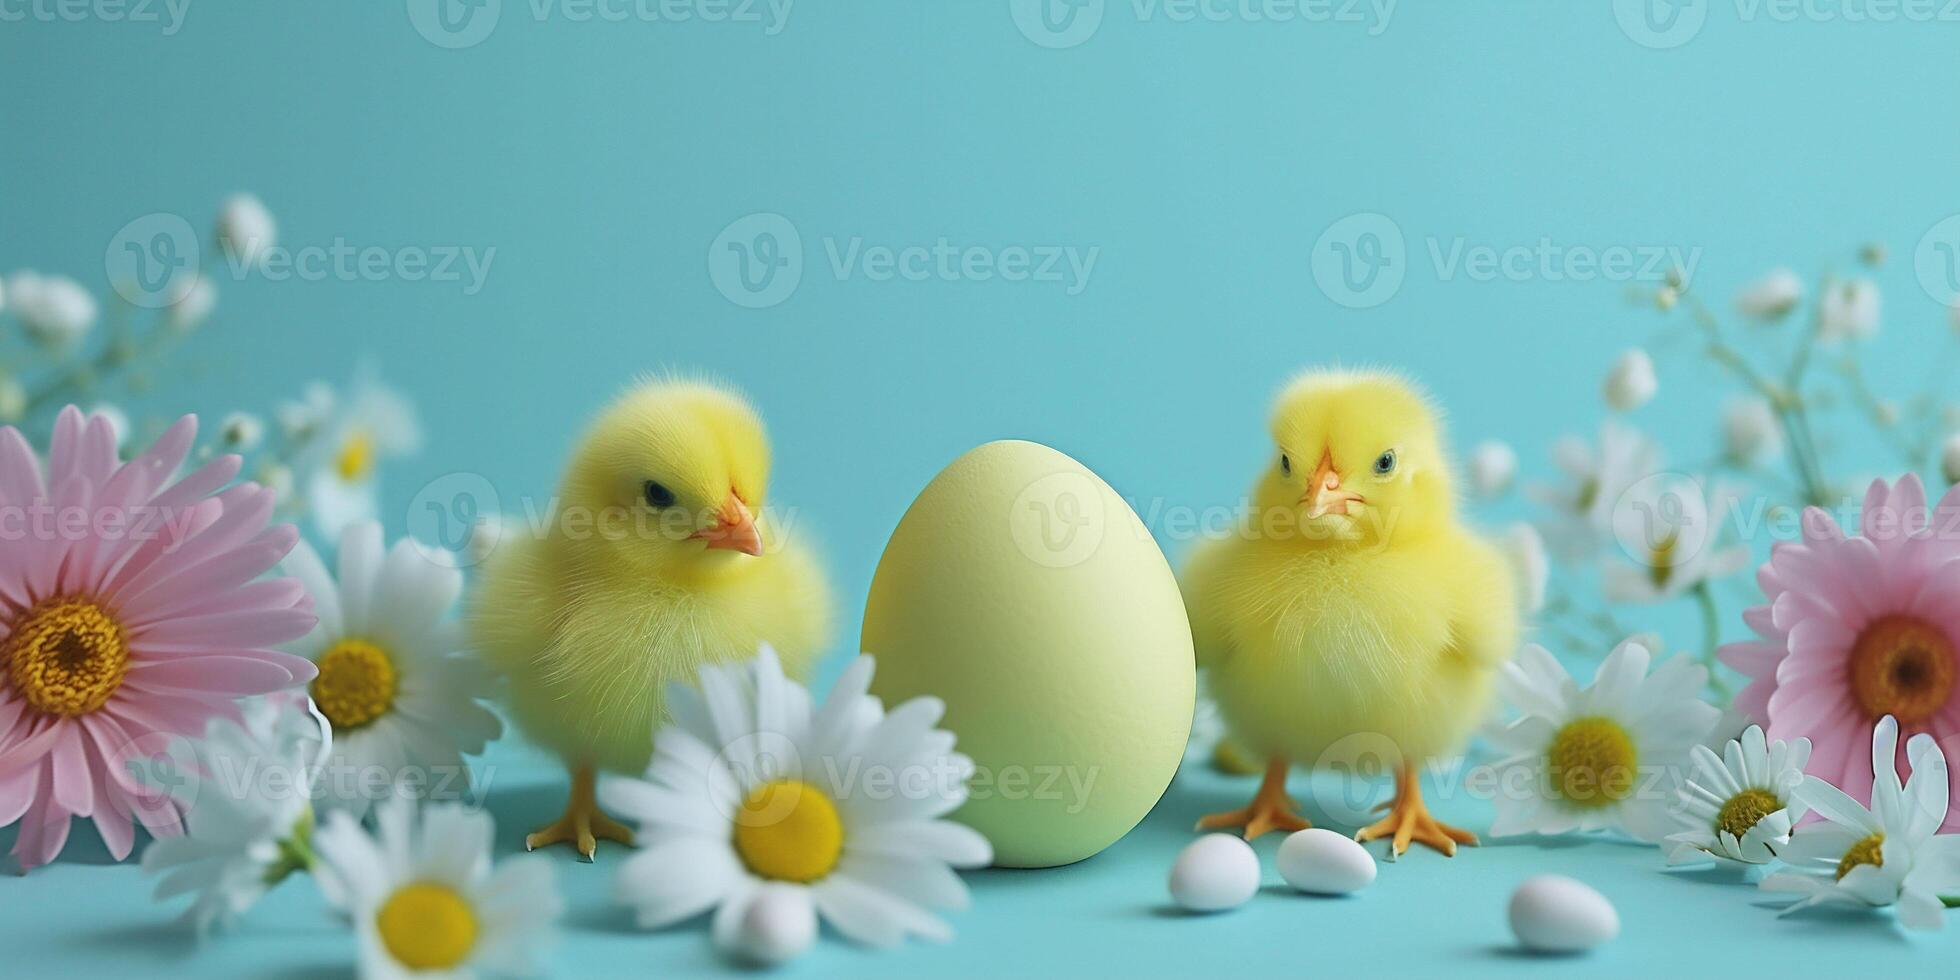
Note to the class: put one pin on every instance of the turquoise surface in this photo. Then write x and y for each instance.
(1188, 165)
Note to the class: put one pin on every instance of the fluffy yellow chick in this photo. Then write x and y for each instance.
(1352, 602)
(655, 562)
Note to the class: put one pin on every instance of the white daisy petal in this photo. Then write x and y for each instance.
(441, 854)
(874, 861)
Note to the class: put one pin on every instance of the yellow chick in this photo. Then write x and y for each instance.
(656, 561)
(1352, 602)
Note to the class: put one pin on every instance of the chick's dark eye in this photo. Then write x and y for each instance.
(656, 495)
(1385, 463)
(1285, 465)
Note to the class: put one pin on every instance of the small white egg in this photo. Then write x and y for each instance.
(779, 925)
(1324, 862)
(1214, 873)
(1555, 914)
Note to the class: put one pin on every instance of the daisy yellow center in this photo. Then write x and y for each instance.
(66, 656)
(1868, 851)
(1660, 564)
(355, 461)
(1591, 762)
(1744, 810)
(788, 830)
(1902, 666)
(356, 684)
(427, 926)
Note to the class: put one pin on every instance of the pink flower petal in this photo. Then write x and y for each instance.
(235, 676)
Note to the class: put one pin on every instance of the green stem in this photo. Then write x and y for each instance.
(295, 851)
(1711, 636)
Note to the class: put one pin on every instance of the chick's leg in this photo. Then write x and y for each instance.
(1270, 809)
(1409, 820)
(582, 825)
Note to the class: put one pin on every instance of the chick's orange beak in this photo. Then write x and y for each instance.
(1324, 494)
(734, 528)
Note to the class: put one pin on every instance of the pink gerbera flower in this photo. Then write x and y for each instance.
(133, 610)
(1857, 628)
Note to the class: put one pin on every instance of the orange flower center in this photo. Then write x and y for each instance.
(66, 656)
(1901, 666)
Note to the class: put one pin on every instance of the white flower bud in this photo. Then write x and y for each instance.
(55, 310)
(1631, 383)
(1950, 459)
(1849, 310)
(1750, 433)
(246, 230)
(190, 309)
(241, 431)
(1771, 297)
(1493, 465)
(1665, 298)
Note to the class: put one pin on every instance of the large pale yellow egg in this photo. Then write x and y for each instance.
(1021, 590)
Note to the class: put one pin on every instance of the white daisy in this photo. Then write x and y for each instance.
(339, 465)
(425, 899)
(1606, 757)
(751, 785)
(245, 792)
(1582, 510)
(1739, 805)
(1669, 530)
(403, 702)
(1885, 855)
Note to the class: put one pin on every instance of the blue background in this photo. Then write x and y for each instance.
(1202, 160)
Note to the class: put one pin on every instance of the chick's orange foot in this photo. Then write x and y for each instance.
(1409, 821)
(582, 825)
(1270, 809)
